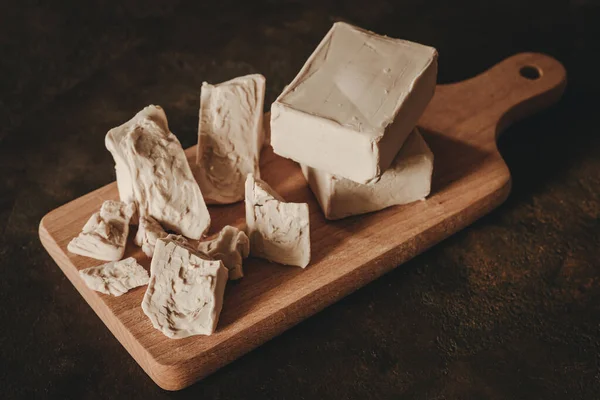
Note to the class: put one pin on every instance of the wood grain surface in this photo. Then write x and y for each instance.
(470, 179)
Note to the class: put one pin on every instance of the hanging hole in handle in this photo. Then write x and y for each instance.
(530, 72)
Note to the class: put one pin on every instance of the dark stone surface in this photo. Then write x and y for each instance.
(507, 309)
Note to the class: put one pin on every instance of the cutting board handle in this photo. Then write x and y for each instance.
(488, 103)
(536, 80)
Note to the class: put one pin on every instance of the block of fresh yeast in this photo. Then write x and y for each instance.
(354, 103)
(408, 179)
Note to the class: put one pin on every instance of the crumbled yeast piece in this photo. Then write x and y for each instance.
(231, 246)
(115, 278)
(149, 231)
(230, 137)
(278, 231)
(185, 292)
(153, 171)
(104, 236)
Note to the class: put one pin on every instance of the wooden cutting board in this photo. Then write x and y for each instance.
(470, 179)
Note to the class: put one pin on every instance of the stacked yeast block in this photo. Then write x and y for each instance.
(408, 179)
(349, 119)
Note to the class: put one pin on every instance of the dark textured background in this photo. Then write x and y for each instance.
(507, 309)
